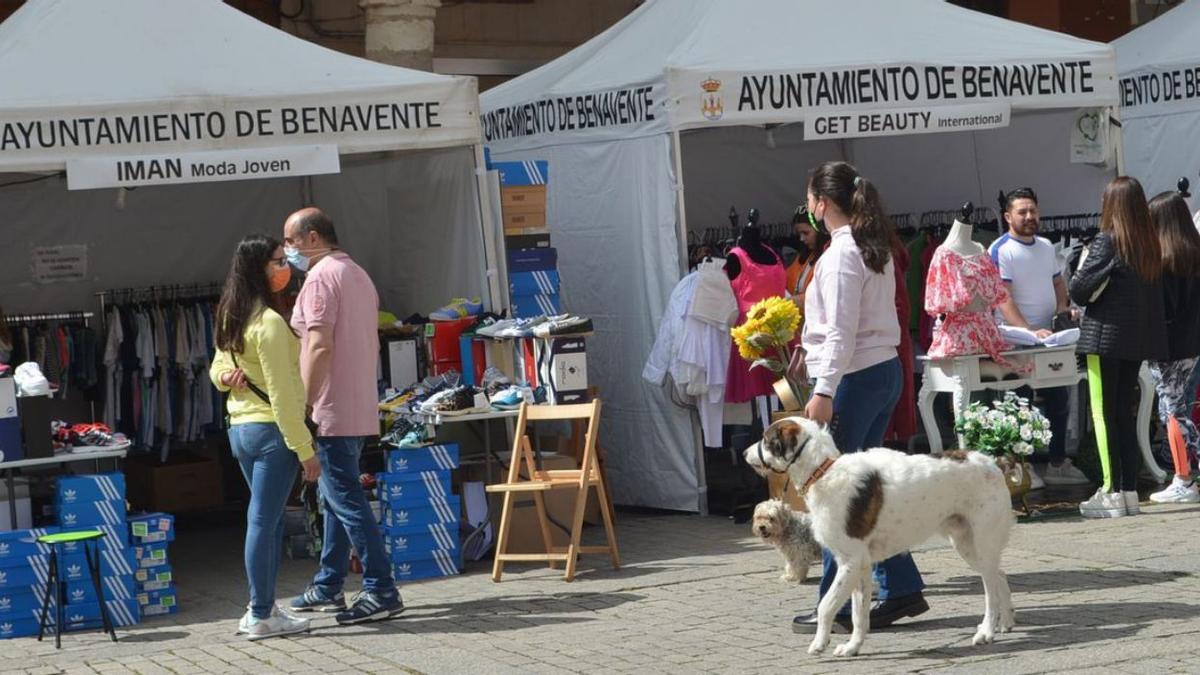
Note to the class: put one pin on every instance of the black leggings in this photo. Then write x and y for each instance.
(1114, 392)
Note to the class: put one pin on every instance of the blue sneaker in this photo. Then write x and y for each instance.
(370, 606)
(459, 308)
(314, 599)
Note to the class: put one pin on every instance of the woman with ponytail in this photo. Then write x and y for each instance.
(851, 334)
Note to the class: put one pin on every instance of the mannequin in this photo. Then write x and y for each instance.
(959, 240)
(749, 241)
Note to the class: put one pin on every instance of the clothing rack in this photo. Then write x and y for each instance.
(53, 316)
(169, 292)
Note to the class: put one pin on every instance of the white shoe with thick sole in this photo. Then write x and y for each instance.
(278, 625)
(1178, 492)
(1064, 474)
(1103, 505)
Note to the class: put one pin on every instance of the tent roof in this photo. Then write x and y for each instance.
(69, 57)
(676, 39)
(1170, 39)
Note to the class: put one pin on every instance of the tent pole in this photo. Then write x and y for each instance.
(1116, 138)
(490, 250)
(681, 235)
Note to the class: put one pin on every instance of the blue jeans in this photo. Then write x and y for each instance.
(349, 521)
(269, 468)
(862, 406)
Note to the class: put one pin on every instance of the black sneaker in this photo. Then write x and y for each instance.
(370, 606)
(887, 612)
(806, 624)
(315, 600)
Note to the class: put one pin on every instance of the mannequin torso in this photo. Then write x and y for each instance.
(959, 240)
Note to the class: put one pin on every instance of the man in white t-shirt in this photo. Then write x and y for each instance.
(1037, 293)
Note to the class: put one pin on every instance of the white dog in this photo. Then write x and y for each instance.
(790, 532)
(869, 506)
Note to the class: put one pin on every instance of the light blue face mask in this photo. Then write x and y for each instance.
(295, 258)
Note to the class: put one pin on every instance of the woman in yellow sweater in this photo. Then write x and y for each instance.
(258, 363)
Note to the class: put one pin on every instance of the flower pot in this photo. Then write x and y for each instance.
(1017, 476)
(788, 395)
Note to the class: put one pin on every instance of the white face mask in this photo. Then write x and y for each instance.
(295, 258)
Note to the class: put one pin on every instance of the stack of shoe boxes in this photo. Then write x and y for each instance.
(533, 282)
(523, 197)
(96, 502)
(155, 583)
(22, 562)
(419, 515)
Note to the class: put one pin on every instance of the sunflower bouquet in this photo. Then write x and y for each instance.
(764, 338)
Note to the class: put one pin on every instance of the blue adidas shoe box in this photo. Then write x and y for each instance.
(517, 174)
(439, 510)
(15, 627)
(17, 545)
(74, 567)
(150, 555)
(18, 602)
(116, 538)
(436, 564)
(427, 458)
(82, 515)
(532, 260)
(78, 617)
(151, 528)
(156, 579)
(103, 487)
(412, 488)
(23, 576)
(158, 603)
(115, 588)
(407, 543)
(543, 282)
(529, 306)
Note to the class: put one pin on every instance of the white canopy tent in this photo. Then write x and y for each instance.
(1159, 66)
(669, 96)
(188, 98)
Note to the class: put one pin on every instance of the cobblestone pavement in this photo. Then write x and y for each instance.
(696, 595)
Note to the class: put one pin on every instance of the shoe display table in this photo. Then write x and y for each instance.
(66, 458)
(962, 376)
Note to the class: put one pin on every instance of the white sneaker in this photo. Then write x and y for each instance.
(278, 625)
(1103, 505)
(1178, 492)
(1035, 481)
(1064, 474)
(1131, 502)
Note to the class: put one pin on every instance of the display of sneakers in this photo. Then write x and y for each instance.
(456, 401)
(494, 381)
(1180, 491)
(512, 397)
(458, 308)
(277, 625)
(569, 325)
(1064, 474)
(314, 599)
(369, 606)
(522, 327)
(1103, 505)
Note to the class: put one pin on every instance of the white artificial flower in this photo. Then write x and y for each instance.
(1026, 433)
(1023, 448)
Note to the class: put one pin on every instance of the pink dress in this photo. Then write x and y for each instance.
(753, 283)
(953, 284)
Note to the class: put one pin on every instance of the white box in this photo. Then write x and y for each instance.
(8, 398)
(24, 507)
(562, 369)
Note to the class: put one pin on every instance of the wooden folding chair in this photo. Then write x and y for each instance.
(586, 476)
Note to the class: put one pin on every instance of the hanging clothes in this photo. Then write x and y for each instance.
(754, 282)
(903, 424)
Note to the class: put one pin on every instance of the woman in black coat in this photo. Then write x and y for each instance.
(1119, 283)
(1180, 243)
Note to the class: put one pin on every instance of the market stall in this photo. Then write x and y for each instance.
(654, 128)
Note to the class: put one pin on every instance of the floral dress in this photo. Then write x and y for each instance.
(952, 289)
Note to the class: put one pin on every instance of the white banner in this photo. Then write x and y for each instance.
(623, 112)
(710, 98)
(861, 123)
(1159, 92)
(201, 167)
(51, 264)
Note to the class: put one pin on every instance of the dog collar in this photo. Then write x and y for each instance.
(795, 456)
(816, 475)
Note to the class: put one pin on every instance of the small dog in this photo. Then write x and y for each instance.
(790, 532)
(869, 506)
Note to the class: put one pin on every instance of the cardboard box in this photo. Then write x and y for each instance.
(19, 577)
(83, 515)
(438, 564)
(399, 490)
(446, 510)
(116, 537)
(516, 222)
(151, 555)
(532, 260)
(512, 174)
(19, 602)
(514, 241)
(117, 587)
(528, 306)
(73, 490)
(17, 545)
(428, 458)
(523, 197)
(151, 528)
(112, 563)
(158, 603)
(18, 627)
(563, 369)
(186, 483)
(420, 545)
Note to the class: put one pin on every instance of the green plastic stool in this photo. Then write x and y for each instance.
(90, 539)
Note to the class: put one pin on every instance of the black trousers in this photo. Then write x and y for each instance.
(1114, 392)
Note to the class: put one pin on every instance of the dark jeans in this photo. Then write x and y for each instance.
(269, 468)
(862, 407)
(349, 521)
(1056, 406)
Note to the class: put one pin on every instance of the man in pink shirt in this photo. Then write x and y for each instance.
(336, 317)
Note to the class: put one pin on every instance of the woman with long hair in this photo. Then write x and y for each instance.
(813, 240)
(1119, 283)
(258, 363)
(851, 333)
(1180, 244)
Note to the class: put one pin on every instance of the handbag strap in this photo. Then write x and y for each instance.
(253, 387)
